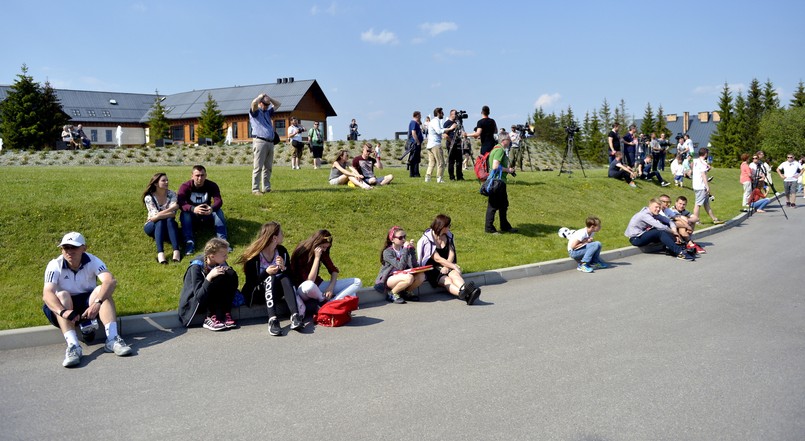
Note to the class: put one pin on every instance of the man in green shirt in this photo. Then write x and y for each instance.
(500, 202)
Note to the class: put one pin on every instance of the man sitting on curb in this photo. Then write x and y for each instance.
(683, 219)
(646, 228)
(71, 294)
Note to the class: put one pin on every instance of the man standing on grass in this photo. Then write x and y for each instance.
(260, 113)
(71, 294)
(485, 130)
(789, 171)
(701, 187)
(200, 201)
(435, 155)
(614, 141)
(499, 202)
(414, 147)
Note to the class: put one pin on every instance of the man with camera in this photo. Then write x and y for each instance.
(436, 131)
(498, 160)
(454, 152)
(260, 113)
(485, 130)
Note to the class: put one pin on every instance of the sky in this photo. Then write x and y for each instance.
(378, 61)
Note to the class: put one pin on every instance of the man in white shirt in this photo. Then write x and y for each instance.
(701, 188)
(790, 171)
(71, 294)
(436, 131)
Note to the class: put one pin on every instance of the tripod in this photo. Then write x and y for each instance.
(518, 156)
(759, 173)
(571, 149)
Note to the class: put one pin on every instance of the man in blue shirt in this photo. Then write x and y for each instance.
(415, 139)
(260, 113)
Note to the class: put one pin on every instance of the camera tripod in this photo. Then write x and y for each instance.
(568, 157)
(518, 155)
(756, 182)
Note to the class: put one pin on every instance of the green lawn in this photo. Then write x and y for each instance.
(103, 203)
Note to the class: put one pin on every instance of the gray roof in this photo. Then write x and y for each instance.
(699, 132)
(236, 100)
(91, 106)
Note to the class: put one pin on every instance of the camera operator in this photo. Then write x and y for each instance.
(514, 151)
(485, 130)
(295, 137)
(664, 144)
(454, 153)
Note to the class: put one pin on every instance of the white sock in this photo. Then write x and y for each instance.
(111, 330)
(71, 337)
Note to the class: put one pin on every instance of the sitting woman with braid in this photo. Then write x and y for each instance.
(209, 286)
(266, 264)
(398, 256)
(436, 248)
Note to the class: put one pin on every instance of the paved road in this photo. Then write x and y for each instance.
(653, 349)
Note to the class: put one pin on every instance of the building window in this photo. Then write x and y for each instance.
(108, 136)
(76, 112)
(93, 135)
(279, 127)
(192, 132)
(177, 133)
(235, 130)
(107, 113)
(91, 112)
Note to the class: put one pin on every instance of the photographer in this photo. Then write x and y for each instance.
(664, 144)
(500, 202)
(454, 153)
(435, 155)
(295, 137)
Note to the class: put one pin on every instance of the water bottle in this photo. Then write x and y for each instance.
(88, 328)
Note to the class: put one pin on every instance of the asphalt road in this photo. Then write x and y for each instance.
(652, 349)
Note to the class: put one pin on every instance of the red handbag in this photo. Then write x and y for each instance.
(337, 312)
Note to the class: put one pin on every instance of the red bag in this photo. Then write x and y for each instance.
(482, 165)
(337, 312)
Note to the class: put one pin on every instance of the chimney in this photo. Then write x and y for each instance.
(716, 117)
(704, 117)
(685, 122)
(284, 81)
(279, 80)
(290, 79)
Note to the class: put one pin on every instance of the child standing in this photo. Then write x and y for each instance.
(582, 248)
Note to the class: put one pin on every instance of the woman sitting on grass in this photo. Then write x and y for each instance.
(209, 285)
(266, 264)
(308, 256)
(436, 247)
(161, 223)
(340, 174)
(397, 256)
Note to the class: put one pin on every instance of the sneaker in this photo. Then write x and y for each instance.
(717, 221)
(583, 267)
(698, 249)
(189, 248)
(213, 324)
(274, 327)
(601, 265)
(462, 292)
(633, 185)
(409, 296)
(296, 322)
(710, 178)
(685, 256)
(473, 294)
(229, 322)
(118, 346)
(427, 178)
(439, 181)
(72, 356)
(664, 184)
(397, 299)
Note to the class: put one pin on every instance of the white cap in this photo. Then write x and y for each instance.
(74, 239)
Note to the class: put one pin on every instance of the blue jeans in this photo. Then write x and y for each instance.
(189, 219)
(587, 254)
(162, 228)
(654, 236)
(760, 203)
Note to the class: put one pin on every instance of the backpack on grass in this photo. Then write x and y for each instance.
(337, 312)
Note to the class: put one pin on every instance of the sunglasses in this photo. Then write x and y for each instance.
(400, 237)
(69, 247)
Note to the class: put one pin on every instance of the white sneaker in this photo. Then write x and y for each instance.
(118, 346)
(427, 178)
(72, 356)
(439, 181)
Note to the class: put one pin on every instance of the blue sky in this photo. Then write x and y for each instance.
(379, 61)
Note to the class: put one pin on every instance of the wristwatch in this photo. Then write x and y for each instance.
(99, 301)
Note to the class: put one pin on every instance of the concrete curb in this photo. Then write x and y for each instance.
(166, 321)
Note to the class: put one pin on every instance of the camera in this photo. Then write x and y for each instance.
(522, 128)
(461, 114)
(572, 129)
(678, 137)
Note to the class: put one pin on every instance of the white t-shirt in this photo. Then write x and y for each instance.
(579, 236)
(700, 167)
(790, 169)
(75, 282)
(435, 131)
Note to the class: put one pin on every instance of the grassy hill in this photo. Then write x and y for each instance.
(103, 202)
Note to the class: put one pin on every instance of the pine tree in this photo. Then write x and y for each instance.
(770, 100)
(720, 140)
(158, 123)
(605, 116)
(754, 111)
(661, 125)
(739, 134)
(211, 121)
(28, 114)
(648, 123)
(627, 121)
(799, 96)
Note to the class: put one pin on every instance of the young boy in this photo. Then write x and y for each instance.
(582, 248)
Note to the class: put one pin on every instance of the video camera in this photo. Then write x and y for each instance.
(523, 129)
(572, 129)
(461, 114)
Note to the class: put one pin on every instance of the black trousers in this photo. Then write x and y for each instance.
(414, 159)
(454, 159)
(221, 293)
(277, 288)
(500, 203)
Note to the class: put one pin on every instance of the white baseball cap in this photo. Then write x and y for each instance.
(74, 239)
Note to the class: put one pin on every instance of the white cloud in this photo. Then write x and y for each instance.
(547, 100)
(383, 37)
(316, 9)
(434, 29)
(716, 90)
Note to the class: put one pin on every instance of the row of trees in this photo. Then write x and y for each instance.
(31, 116)
(756, 121)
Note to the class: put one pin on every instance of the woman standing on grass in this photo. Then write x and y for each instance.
(397, 256)
(340, 172)
(436, 247)
(209, 285)
(267, 267)
(308, 256)
(161, 223)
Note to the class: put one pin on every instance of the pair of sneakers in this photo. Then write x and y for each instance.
(275, 329)
(213, 324)
(587, 268)
(469, 292)
(73, 354)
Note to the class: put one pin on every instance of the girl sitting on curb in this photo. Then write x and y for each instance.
(210, 286)
(436, 248)
(397, 256)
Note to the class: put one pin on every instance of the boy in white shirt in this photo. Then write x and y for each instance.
(582, 248)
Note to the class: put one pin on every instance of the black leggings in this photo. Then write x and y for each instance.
(221, 293)
(276, 288)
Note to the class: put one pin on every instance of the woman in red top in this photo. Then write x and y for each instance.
(746, 178)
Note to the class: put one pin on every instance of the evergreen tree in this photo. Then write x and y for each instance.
(211, 121)
(799, 96)
(771, 101)
(31, 116)
(605, 116)
(754, 111)
(158, 124)
(626, 120)
(592, 139)
(739, 135)
(648, 123)
(661, 125)
(720, 139)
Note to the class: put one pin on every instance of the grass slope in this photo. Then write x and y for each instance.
(43, 203)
